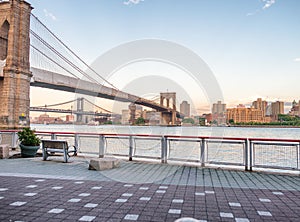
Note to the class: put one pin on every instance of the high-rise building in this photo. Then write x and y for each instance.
(219, 108)
(125, 116)
(185, 108)
(218, 113)
(277, 108)
(260, 105)
(295, 110)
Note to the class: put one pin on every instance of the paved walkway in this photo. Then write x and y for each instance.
(36, 190)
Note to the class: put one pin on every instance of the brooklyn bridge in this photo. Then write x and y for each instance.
(31, 55)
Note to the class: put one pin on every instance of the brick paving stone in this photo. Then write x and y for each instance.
(229, 196)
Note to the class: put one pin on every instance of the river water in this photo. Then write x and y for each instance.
(245, 132)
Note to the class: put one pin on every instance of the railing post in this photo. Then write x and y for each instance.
(298, 156)
(101, 146)
(76, 140)
(53, 136)
(246, 154)
(202, 152)
(14, 140)
(250, 154)
(164, 149)
(130, 148)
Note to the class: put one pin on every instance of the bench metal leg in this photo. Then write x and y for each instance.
(45, 154)
(65, 156)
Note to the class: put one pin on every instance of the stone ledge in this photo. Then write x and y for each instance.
(4, 151)
(104, 163)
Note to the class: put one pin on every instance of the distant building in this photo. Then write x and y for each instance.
(295, 110)
(46, 119)
(208, 117)
(219, 113)
(152, 117)
(125, 116)
(260, 105)
(138, 111)
(277, 108)
(244, 115)
(70, 118)
(185, 108)
(219, 108)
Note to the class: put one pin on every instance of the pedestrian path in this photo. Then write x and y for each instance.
(36, 190)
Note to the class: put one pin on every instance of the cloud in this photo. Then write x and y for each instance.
(135, 2)
(297, 60)
(268, 3)
(252, 13)
(49, 14)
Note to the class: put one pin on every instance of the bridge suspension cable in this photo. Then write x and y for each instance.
(52, 60)
(97, 106)
(61, 56)
(57, 104)
(73, 53)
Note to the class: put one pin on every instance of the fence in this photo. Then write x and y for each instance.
(248, 153)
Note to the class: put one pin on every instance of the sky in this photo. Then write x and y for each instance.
(252, 47)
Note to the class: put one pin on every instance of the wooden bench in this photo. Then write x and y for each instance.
(50, 147)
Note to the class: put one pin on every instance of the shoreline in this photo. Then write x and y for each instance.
(188, 126)
(265, 126)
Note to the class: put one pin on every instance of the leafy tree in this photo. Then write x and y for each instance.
(140, 121)
(231, 121)
(188, 120)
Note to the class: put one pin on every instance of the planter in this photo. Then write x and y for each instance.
(28, 151)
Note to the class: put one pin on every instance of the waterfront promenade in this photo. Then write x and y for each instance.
(36, 190)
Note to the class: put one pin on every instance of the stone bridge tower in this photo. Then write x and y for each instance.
(170, 116)
(14, 63)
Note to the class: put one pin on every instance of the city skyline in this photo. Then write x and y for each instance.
(252, 47)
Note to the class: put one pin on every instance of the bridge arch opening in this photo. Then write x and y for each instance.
(4, 30)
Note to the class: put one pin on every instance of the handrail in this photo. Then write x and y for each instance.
(159, 136)
(225, 151)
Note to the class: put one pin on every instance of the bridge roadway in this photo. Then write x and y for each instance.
(88, 113)
(51, 80)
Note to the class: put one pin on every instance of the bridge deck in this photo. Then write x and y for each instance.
(51, 80)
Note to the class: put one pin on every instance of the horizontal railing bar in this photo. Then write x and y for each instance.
(275, 167)
(272, 144)
(185, 160)
(183, 140)
(115, 137)
(220, 141)
(159, 136)
(147, 157)
(116, 154)
(225, 163)
(142, 138)
(273, 139)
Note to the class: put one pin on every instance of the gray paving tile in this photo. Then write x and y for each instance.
(241, 194)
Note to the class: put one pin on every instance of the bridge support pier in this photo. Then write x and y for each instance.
(169, 117)
(132, 110)
(14, 53)
(80, 106)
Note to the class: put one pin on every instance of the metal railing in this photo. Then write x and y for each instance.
(243, 152)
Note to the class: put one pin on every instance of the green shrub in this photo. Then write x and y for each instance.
(27, 137)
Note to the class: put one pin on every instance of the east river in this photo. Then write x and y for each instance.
(245, 132)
